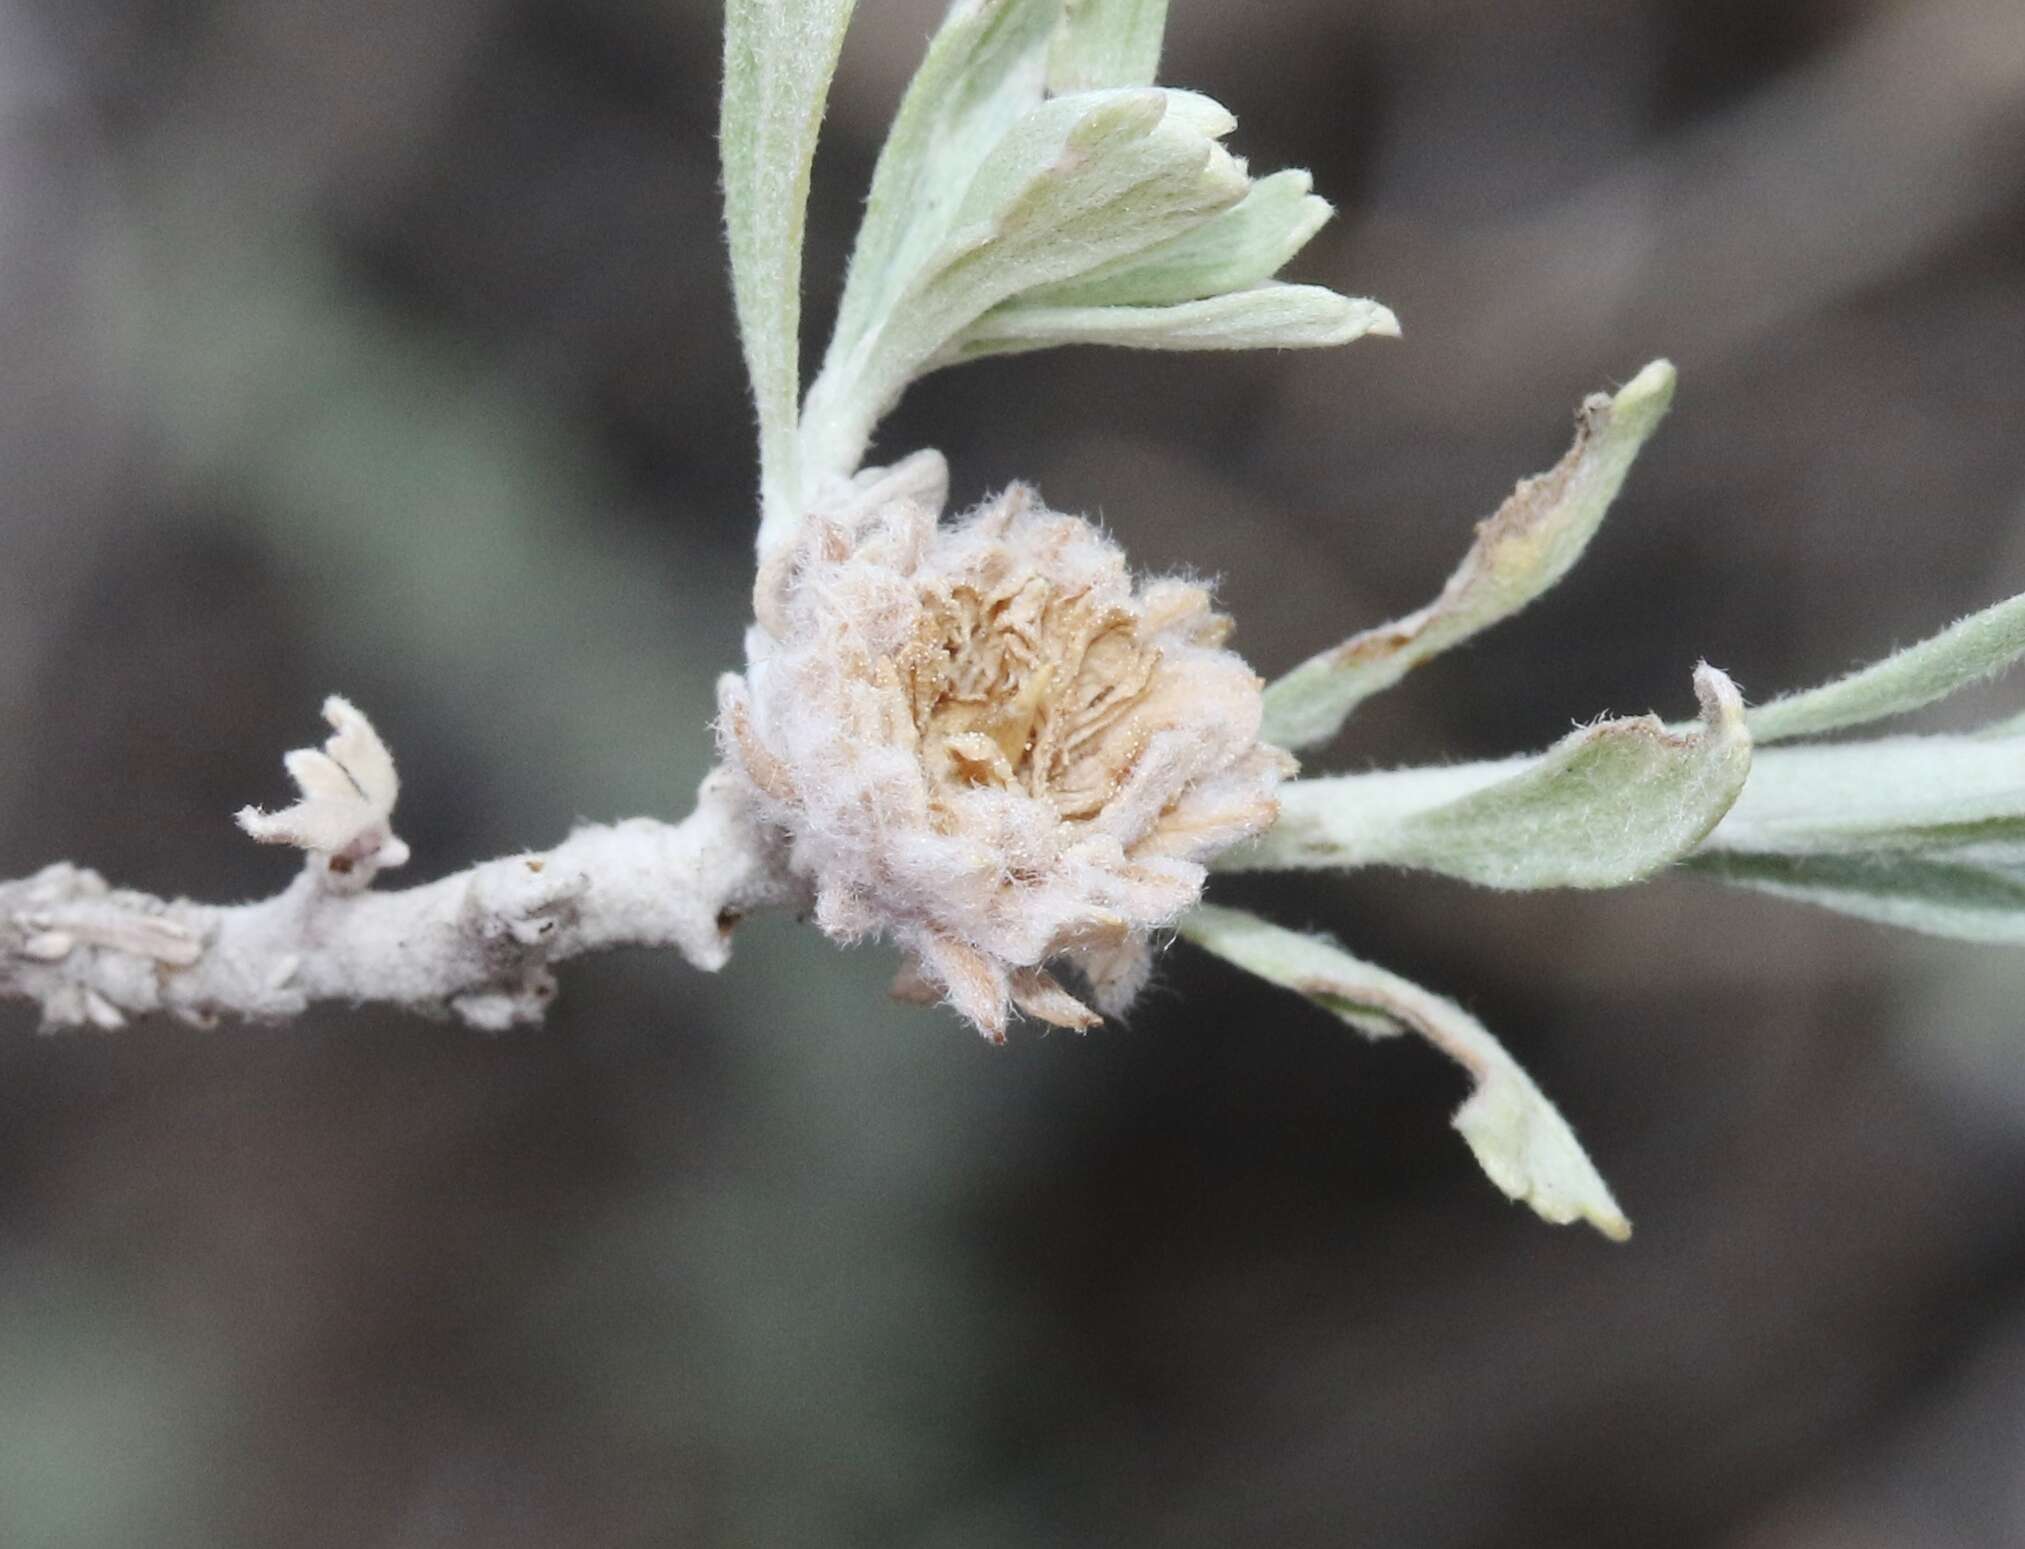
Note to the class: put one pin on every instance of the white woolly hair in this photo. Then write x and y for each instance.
(985, 883)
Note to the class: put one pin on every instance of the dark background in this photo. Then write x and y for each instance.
(384, 346)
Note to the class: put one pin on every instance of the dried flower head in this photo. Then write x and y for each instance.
(988, 742)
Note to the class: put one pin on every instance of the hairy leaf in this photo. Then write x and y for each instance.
(1927, 833)
(779, 56)
(1961, 899)
(1245, 246)
(1979, 646)
(985, 69)
(1522, 550)
(1106, 43)
(1605, 806)
(1269, 316)
(1898, 794)
(1519, 1137)
(1077, 182)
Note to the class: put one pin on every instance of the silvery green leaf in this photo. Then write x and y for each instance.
(1269, 316)
(1605, 806)
(1979, 646)
(1519, 1137)
(1079, 181)
(985, 69)
(1938, 897)
(1926, 795)
(1106, 43)
(1533, 540)
(779, 56)
(1926, 833)
(1245, 246)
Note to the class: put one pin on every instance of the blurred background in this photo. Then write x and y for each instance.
(385, 346)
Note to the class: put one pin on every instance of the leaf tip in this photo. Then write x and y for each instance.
(1642, 401)
(1722, 704)
(1526, 1148)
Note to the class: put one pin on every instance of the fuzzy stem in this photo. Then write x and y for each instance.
(479, 943)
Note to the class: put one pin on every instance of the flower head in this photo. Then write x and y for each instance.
(988, 741)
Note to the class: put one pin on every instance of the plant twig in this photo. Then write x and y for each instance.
(480, 943)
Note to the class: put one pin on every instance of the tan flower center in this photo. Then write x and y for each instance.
(1022, 685)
